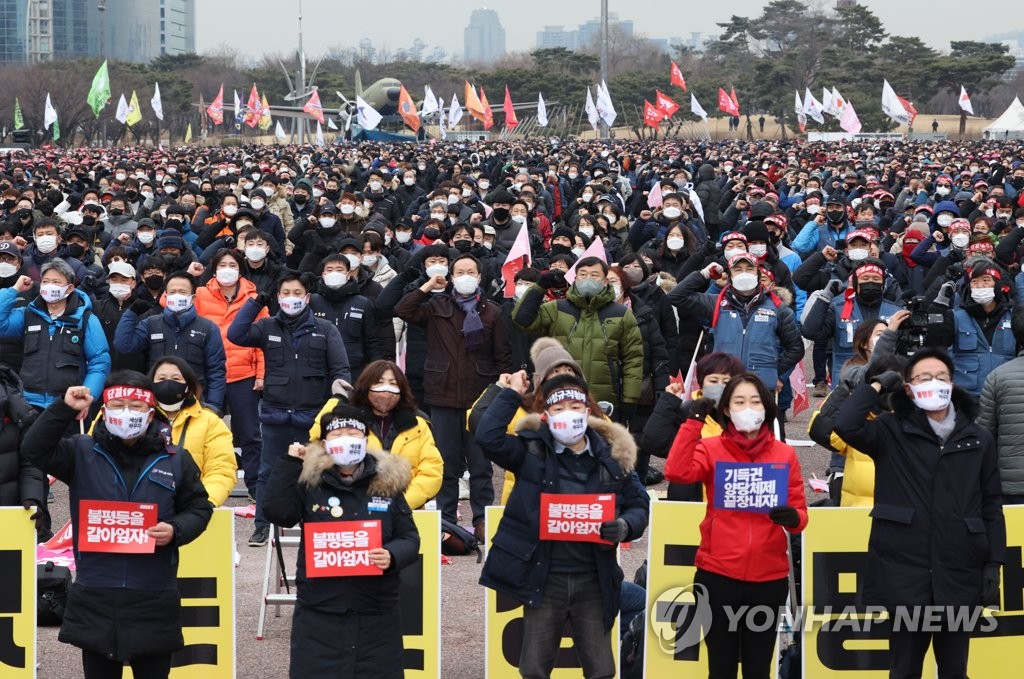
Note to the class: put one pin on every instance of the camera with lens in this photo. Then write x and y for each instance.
(955, 272)
(913, 333)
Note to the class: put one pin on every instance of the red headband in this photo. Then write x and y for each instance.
(131, 393)
(869, 268)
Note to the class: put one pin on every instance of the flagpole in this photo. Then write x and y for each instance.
(604, 58)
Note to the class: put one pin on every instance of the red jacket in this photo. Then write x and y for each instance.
(739, 545)
(242, 362)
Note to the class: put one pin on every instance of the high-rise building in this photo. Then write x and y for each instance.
(556, 36)
(484, 38)
(132, 30)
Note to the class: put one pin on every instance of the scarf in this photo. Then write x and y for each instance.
(944, 427)
(737, 442)
(473, 326)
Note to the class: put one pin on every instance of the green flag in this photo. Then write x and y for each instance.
(19, 121)
(56, 130)
(99, 93)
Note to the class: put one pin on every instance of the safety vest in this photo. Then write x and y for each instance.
(752, 336)
(973, 356)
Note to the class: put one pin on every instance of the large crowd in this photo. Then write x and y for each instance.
(359, 327)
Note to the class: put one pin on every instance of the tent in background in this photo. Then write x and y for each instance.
(1010, 125)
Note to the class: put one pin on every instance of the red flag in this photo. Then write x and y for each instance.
(666, 105)
(798, 381)
(253, 108)
(690, 383)
(911, 111)
(517, 260)
(510, 111)
(725, 103)
(216, 108)
(652, 115)
(61, 540)
(677, 77)
(488, 120)
(735, 101)
(314, 108)
(407, 109)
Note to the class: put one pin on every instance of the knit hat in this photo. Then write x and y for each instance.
(547, 353)
(170, 238)
(756, 231)
(761, 209)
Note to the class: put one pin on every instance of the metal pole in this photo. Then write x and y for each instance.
(604, 56)
(301, 77)
(102, 9)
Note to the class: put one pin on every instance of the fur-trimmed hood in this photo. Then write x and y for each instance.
(389, 474)
(622, 447)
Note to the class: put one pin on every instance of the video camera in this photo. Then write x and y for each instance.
(913, 334)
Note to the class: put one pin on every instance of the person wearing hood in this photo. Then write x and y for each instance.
(760, 245)
(600, 334)
(937, 243)
(346, 625)
(267, 221)
(838, 311)
(339, 301)
(176, 218)
(123, 608)
(302, 202)
(826, 229)
(380, 197)
(505, 228)
(656, 226)
(742, 557)
(930, 440)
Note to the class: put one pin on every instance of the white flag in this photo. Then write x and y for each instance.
(279, 132)
(850, 122)
(238, 104)
(965, 101)
(454, 113)
(892, 106)
(542, 111)
(812, 107)
(838, 104)
(50, 113)
(604, 105)
(430, 105)
(798, 106)
(826, 100)
(158, 107)
(592, 115)
(122, 111)
(366, 115)
(320, 134)
(440, 119)
(696, 109)
(330, 124)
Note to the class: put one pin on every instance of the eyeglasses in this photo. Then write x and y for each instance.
(928, 377)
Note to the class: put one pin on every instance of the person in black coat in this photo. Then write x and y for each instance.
(710, 195)
(938, 536)
(346, 625)
(337, 300)
(21, 484)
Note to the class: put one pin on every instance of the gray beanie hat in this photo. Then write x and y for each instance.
(547, 353)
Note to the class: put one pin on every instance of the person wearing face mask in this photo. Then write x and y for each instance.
(119, 219)
(395, 425)
(316, 238)
(348, 221)
(346, 476)
(302, 202)
(177, 331)
(587, 322)
(111, 306)
(48, 245)
(937, 243)
(277, 201)
(642, 285)
(505, 229)
(381, 199)
(930, 440)
(710, 194)
(742, 556)
(466, 349)
(261, 265)
(747, 322)
(837, 312)
(409, 191)
(10, 272)
(657, 225)
(115, 591)
(339, 301)
(827, 228)
(304, 356)
(220, 301)
(561, 448)
(220, 224)
(268, 222)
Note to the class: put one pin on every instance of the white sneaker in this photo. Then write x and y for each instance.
(464, 487)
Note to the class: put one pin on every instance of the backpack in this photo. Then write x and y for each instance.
(457, 541)
(52, 585)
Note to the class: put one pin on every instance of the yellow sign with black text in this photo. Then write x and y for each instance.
(18, 594)
(420, 601)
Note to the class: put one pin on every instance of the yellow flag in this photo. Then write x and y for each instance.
(188, 134)
(134, 114)
(265, 118)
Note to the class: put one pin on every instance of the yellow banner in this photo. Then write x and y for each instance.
(18, 594)
(503, 618)
(420, 602)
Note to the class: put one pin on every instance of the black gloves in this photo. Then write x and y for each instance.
(989, 583)
(701, 408)
(615, 531)
(262, 299)
(552, 279)
(954, 255)
(139, 307)
(37, 517)
(785, 516)
(891, 381)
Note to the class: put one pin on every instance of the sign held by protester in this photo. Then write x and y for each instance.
(751, 487)
(575, 517)
(341, 548)
(116, 527)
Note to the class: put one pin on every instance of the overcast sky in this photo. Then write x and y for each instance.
(259, 26)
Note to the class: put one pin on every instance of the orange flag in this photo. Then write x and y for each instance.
(473, 105)
(510, 111)
(407, 109)
(488, 119)
(314, 108)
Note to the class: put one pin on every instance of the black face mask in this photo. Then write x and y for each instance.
(559, 249)
(88, 220)
(869, 293)
(1018, 182)
(133, 195)
(154, 282)
(115, 212)
(299, 199)
(501, 213)
(774, 238)
(24, 213)
(76, 251)
(8, 204)
(173, 223)
(835, 216)
(170, 392)
(431, 233)
(333, 195)
(463, 245)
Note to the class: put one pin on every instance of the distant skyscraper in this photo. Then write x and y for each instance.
(484, 38)
(556, 36)
(134, 30)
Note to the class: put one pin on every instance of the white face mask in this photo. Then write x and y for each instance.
(328, 222)
(403, 236)
(346, 209)
(353, 261)
(759, 250)
(672, 212)
(960, 240)
(257, 205)
(813, 209)
(942, 190)
(983, 295)
(568, 427)
(317, 193)
(521, 289)
(932, 396)
(675, 243)
(440, 216)
(177, 303)
(7, 270)
(745, 282)
(248, 185)
(944, 220)
(120, 176)
(120, 291)
(453, 199)
(46, 244)
(346, 451)
(519, 219)
(484, 185)
(466, 285)
(857, 254)
(587, 197)
(466, 193)
(375, 186)
(578, 252)
(587, 231)
(732, 252)
(747, 420)
(409, 181)
(255, 253)
(371, 260)
(572, 175)
(170, 189)
(386, 388)
(437, 270)
(617, 289)
(54, 293)
(292, 306)
(126, 424)
(488, 245)
(227, 276)
(335, 279)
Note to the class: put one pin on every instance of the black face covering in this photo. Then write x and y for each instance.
(431, 233)
(501, 213)
(463, 245)
(154, 282)
(869, 293)
(299, 199)
(75, 250)
(169, 392)
(835, 216)
(559, 249)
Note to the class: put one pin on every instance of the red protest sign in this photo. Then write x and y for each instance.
(575, 518)
(340, 548)
(116, 527)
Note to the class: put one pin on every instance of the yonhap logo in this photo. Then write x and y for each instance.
(681, 618)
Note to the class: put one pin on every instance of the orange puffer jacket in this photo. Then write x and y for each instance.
(242, 362)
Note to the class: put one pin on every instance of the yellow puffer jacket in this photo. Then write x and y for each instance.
(208, 440)
(414, 443)
(858, 475)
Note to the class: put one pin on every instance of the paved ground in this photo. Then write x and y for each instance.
(462, 599)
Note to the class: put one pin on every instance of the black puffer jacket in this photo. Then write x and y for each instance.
(19, 480)
(710, 194)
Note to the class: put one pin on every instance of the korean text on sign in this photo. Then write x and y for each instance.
(751, 487)
(575, 518)
(341, 548)
(116, 527)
